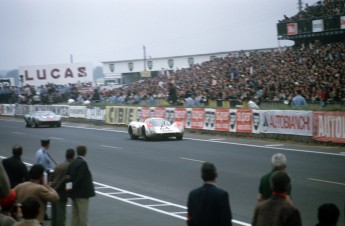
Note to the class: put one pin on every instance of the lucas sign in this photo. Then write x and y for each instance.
(60, 74)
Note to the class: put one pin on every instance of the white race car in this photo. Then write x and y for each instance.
(155, 128)
(42, 118)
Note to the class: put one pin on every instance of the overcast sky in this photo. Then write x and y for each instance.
(40, 32)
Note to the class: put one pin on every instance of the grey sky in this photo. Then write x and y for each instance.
(39, 32)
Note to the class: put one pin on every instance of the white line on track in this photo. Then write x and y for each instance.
(274, 145)
(216, 139)
(106, 146)
(194, 160)
(18, 132)
(326, 181)
(56, 138)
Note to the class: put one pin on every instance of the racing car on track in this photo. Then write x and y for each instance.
(42, 118)
(155, 128)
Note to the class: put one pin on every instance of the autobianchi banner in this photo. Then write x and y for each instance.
(329, 126)
(286, 122)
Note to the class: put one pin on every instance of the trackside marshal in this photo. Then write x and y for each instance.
(60, 74)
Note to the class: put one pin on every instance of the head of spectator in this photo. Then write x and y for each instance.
(81, 150)
(8, 202)
(279, 161)
(280, 182)
(30, 208)
(17, 150)
(70, 154)
(36, 172)
(208, 172)
(45, 143)
(328, 215)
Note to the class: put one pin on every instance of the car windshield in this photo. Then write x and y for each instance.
(44, 113)
(159, 122)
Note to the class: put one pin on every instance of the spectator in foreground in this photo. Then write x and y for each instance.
(36, 187)
(10, 213)
(265, 189)
(59, 184)
(277, 210)
(4, 182)
(30, 209)
(328, 215)
(16, 170)
(208, 204)
(82, 187)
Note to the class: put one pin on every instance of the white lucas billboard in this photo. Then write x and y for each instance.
(60, 74)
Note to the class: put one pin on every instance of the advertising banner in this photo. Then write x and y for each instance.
(292, 29)
(256, 121)
(329, 126)
(60, 74)
(120, 115)
(77, 111)
(209, 119)
(6, 82)
(244, 120)
(198, 118)
(222, 120)
(145, 113)
(180, 115)
(169, 114)
(159, 112)
(233, 120)
(8, 109)
(342, 22)
(317, 25)
(286, 122)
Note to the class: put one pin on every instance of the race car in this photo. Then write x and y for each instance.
(155, 128)
(42, 118)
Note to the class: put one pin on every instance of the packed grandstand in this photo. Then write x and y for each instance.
(314, 67)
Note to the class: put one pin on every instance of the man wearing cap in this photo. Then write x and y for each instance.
(43, 158)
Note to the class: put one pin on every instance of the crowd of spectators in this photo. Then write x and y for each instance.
(321, 9)
(315, 70)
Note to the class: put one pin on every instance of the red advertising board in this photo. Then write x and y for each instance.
(159, 112)
(222, 120)
(180, 115)
(244, 120)
(145, 113)
(329, 126)
(198, 118)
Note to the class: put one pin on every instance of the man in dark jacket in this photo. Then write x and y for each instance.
(16, 170)
(277, 210)
(82, 187)
(208, 205)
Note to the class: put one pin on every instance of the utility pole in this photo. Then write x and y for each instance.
(144, 49)
(71, 58)
(300, 5)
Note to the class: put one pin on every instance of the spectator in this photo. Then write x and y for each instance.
(9, 214)
(31, 209)
(277, 210)
(298, 100)
(208, 204)
(43, 157)
(265, 189)
(37, 188)
(59, 184)
(328, 215)
(4, 182)
(82, 187)
(16, 170)
(252, 104)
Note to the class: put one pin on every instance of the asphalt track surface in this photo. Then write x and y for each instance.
(141, 183)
